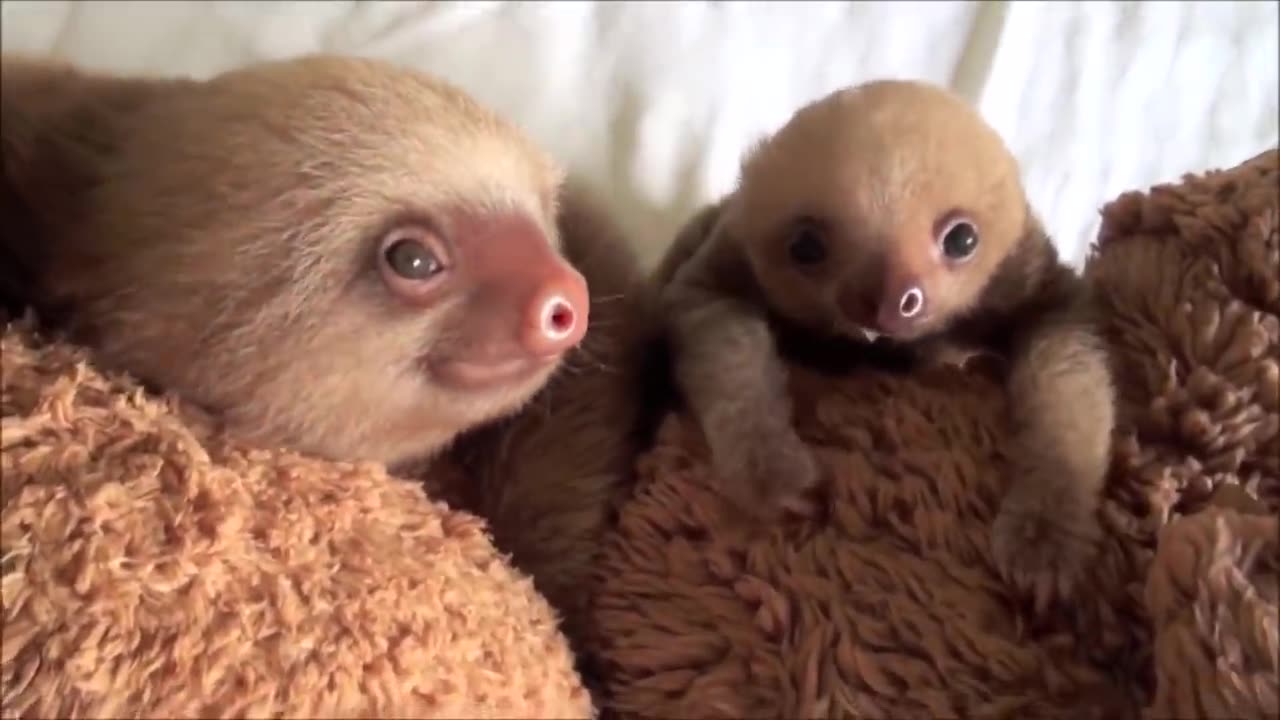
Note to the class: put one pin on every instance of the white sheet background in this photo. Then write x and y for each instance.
(655, 101)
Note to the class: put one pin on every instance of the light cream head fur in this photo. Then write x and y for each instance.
(236, 252)
(878, 173)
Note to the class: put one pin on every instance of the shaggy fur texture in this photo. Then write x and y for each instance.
(150, 569)
(889, 606)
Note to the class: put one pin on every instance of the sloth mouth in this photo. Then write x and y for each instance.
(872, 336)
(467, 374)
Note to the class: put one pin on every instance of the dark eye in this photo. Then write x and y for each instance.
(410, 258)
(808, 246)
(960, 240)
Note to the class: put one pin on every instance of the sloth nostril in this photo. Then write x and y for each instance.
(911, 303)
(559, 318)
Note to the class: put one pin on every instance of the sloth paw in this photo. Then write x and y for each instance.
(1041, 546)
(773, 476)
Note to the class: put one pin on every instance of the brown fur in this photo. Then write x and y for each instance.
(215, 243)
(549, 479)
(58, 123)
(878, 170)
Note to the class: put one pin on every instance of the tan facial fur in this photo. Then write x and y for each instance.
(229, 247)
(879, 168)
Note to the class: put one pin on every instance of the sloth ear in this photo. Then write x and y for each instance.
(58, 126)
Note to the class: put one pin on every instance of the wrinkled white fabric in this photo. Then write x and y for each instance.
(654, 102)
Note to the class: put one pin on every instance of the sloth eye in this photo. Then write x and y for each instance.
(408, 253)
(959, 240)
(411, 261)
(808, 244)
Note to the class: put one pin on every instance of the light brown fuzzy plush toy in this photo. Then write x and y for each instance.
(150, 570)
(889, 604)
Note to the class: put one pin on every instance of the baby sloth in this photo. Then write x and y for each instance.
(337, 255)
(345, 257)
(891, 215)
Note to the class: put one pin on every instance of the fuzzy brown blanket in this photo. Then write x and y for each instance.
(889, 605)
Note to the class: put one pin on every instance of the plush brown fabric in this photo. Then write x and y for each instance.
(888, 606)
(150, 569)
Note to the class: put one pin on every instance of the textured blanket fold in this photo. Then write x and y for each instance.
(152, 570)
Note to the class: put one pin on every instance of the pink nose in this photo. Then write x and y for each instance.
(903, 306)
(557, 315)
